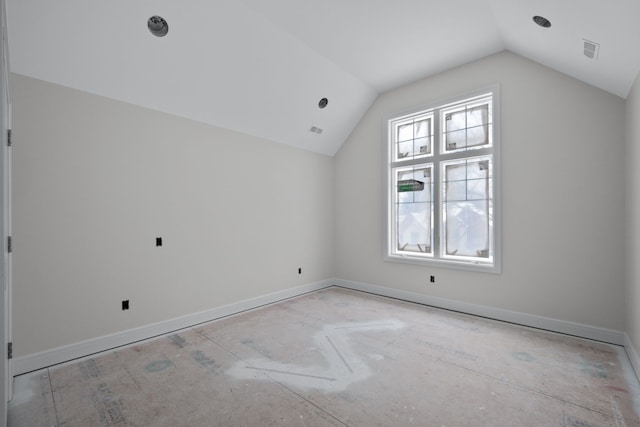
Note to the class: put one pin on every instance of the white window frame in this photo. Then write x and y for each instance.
(435, 160)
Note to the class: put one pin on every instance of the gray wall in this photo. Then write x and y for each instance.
(97, 180)
(633, 215)
(562, 196)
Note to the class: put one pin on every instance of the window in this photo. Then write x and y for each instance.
(442, 187)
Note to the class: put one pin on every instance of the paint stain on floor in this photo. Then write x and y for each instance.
(340, 358)
(158, 366)
(525, 357)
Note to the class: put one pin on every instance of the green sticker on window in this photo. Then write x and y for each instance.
(410, 185)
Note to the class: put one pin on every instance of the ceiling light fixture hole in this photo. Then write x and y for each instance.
(323, 103)
(542, 21)
(158, 26)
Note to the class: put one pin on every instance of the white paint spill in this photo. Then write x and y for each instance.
(27, 386)
(616, 412)
(345, 367)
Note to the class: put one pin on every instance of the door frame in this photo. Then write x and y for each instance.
(6, 375)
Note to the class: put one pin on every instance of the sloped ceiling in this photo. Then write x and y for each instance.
(261, 66)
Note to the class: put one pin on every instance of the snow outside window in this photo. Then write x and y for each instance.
(442, 164)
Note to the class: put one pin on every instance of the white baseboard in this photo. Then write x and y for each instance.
(632, 354)
(555, 325)
(66, 353)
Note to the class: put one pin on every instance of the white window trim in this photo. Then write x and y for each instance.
(496, 267)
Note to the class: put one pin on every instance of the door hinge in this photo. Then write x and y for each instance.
(10, 350)
(9, 244)
(9, 141)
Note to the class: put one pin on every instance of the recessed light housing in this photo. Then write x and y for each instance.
(158, 26)
(542, 21)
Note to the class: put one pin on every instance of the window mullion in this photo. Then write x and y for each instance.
(437, 210)
(465, 154)
(410, 162)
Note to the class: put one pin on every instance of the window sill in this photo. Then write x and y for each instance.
(445, 263)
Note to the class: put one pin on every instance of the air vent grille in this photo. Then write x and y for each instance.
(591, 49)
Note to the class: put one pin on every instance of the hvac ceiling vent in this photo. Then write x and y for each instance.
(591, 49)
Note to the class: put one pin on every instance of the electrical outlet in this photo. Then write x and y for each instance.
(125, 304)
(433, 279)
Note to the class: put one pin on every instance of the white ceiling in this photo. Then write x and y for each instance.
(261, 66)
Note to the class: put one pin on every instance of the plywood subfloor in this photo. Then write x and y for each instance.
(340, 358)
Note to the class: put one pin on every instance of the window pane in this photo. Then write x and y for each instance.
(467, 229)
(456, 139)
(422, 128)
(414, 209)
(405, 149)
(478, 116)
(405, 132)
(413, 137)
(478, 135)
(423, 146)
(455, 120)
(414, 231)
(467, 126)
(467, 207)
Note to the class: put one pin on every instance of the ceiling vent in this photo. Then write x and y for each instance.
(591, 49)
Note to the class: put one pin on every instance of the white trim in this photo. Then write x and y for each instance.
(77, 350)
(70, 352)
(632, 354)
(554, 325)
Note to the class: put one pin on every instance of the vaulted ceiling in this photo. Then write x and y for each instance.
(261, 66)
